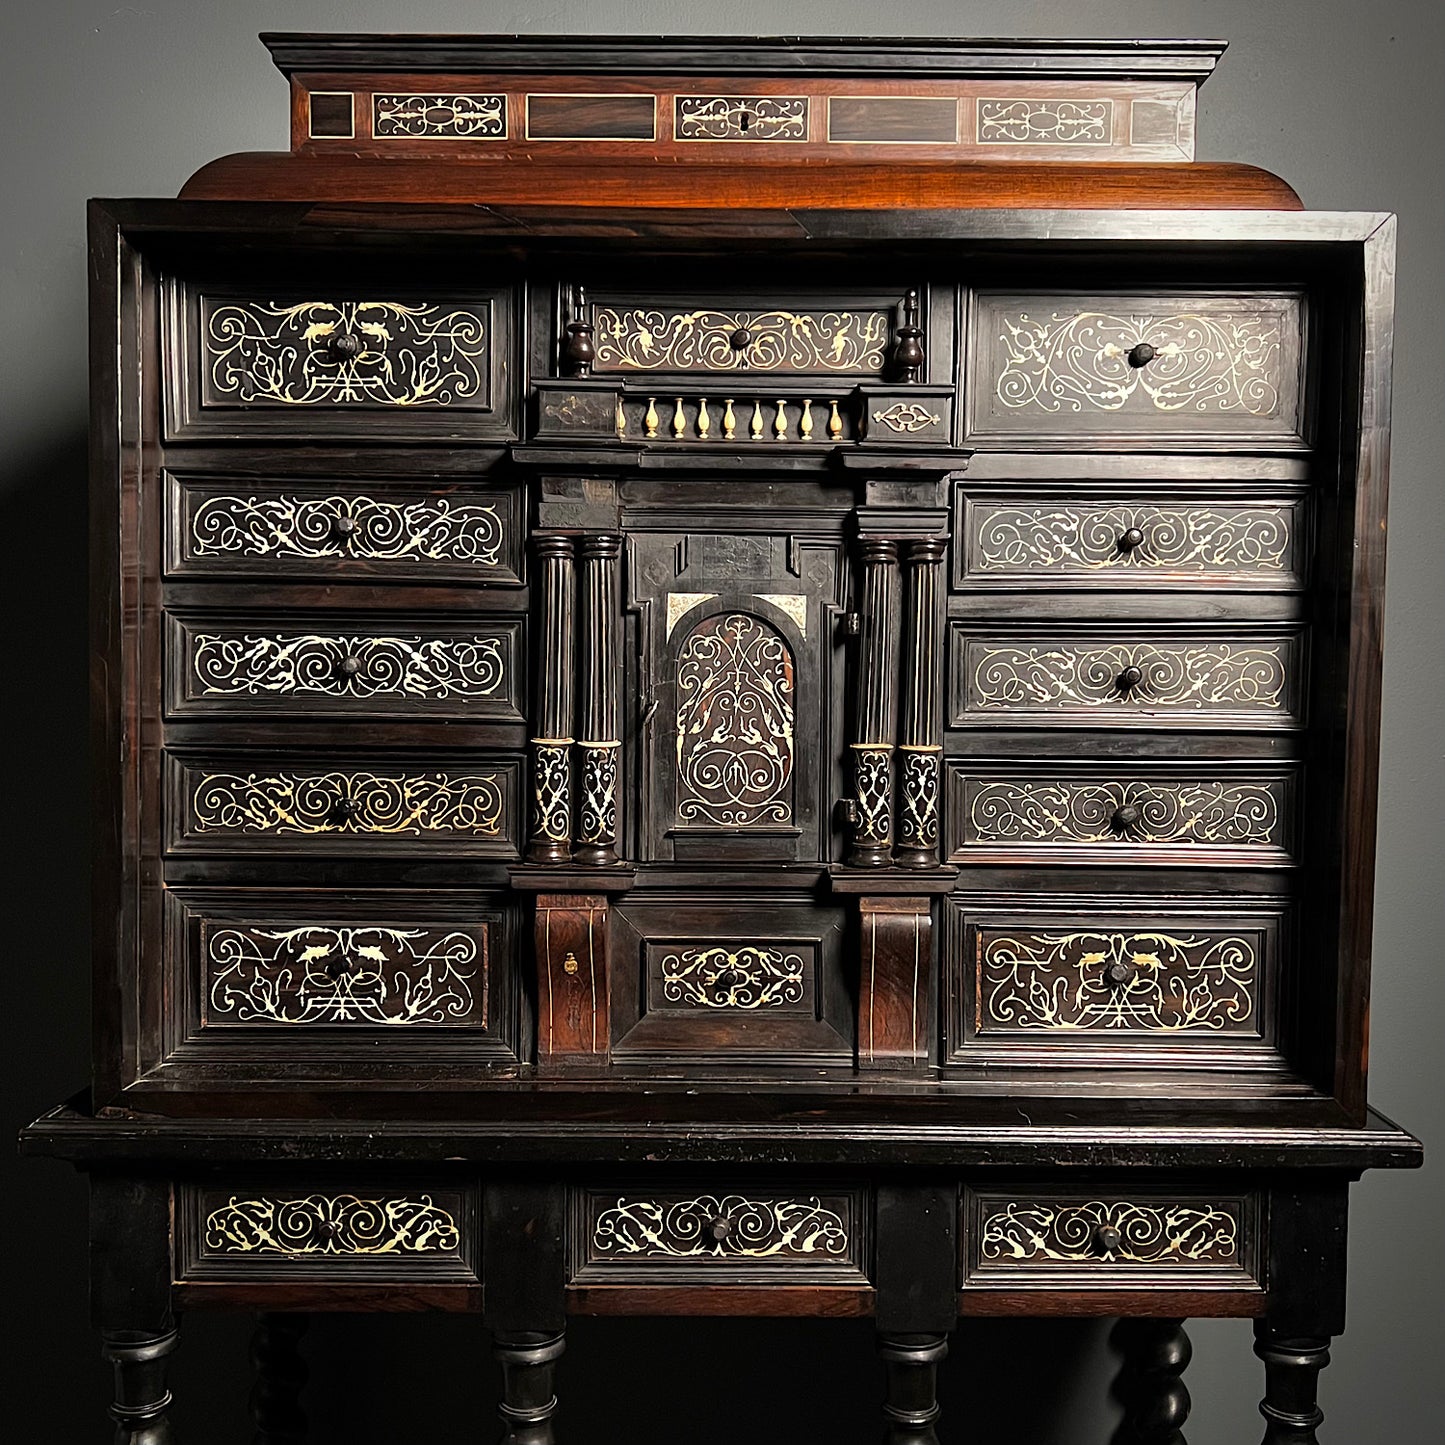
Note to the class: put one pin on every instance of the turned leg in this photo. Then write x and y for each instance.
(528, 1398)
(141, 1408)
(280, 1378)
(911, 1407)
(1151, 1387)
(1292, 1366)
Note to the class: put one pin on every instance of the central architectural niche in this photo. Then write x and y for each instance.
(734, 725)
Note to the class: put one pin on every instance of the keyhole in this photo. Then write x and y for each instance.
(745, 119)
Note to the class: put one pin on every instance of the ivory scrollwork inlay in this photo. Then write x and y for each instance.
(316, 975)
(1197, 540)
(1067, 362)
(350, 802)
(1209, 677)
(345, 353)
(1045, 122)
(747, 977)
(432, 116)
(643, 339)
(551, 791)
(757, 1228)
(597, 820)
(734, 724)
(1214, 812)
(1166, 982)
(906, 418)
(742, 117)
(919, 795)
(432, 529)
(1166, 1233)
(331, 1224)
(873, 778)
(282, 664)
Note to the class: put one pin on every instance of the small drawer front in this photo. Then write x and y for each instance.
(1079, 974)
(718, 1236)
(343, 530)
(1028, 1237)
(1064, 367)
(241, 805)
(255, 1233)
(1087, 814)
(1118, 538)
(1149, 675)
(794, 336)
(396, 669)
(279, 361)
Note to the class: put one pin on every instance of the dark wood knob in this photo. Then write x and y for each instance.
(1130, 678)
(1119, 974)
(1142, 354)
(343, 345)
(327, 1228)
(719, 1227)
(741, 339)
(345, 808)
(1125, 817)
(1130, 539)
(1107, 1238)
(349, 666)
(343, 527)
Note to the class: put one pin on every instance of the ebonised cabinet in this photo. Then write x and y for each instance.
(734, 680)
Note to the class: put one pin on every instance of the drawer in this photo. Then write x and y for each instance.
(1061, 979)
(331, 980)
(1089, 536)
(229, 805)
(245, 1231)
(329, 666)
(720, 980)
(1147, 674)
(270, 360)
(242, 527)
(713, 1234)
(1090, 813)
(1067, 367)
(1017, 1238)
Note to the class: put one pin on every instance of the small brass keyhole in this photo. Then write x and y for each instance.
(569, 963)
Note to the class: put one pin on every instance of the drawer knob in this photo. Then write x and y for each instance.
(1125, 817)
(343, 345)
(327, 1229)
(1107, 1238)
(1130, 539)
(345, 808)
(1141, 355)
(349, 666)
(1130, 678)
(1119, 974)
(741, 339)
(719, 1227)
(343, 527)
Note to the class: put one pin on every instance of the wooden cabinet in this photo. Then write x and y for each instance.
(700, 709)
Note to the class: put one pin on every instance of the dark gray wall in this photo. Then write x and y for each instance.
(1342, 98)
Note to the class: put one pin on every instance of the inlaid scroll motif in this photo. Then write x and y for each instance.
(907, 418)
(873, 779)
(1146, 1233)
(551, 792)
(641, 339)
(248, 664)
(756, 1228)
(598, 820)
(1027, 812)
(735, 724)
(1148, 981)
(743, 978)
(315, 975)
(1045, 122)
(360, 803)
(344, 353)
(331, 1224)
(1207, 364)
(433, 529)
(920, 795)
(1203, 540)
(439, 117)
(742, 117)
(1205, 677)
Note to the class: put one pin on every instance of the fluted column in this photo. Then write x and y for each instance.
(877, 718)
(552, 717)
(921, 739)
(598, 742)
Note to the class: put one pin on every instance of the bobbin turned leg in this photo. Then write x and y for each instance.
(911, 1406)
(1292, 1366)
(1155, 1397)
(280, 1377)
(529, 1399)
